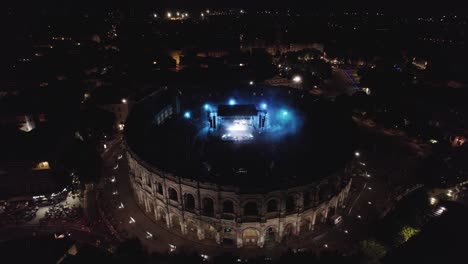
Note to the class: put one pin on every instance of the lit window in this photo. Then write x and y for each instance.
(44, 165)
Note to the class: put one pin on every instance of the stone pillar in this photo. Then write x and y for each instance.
(168, 220)
(200, 231)
(156, 213)
(280, 230)
(298, 225)
(239, 238)
(183, 226)
(312, 224)
(261, 239)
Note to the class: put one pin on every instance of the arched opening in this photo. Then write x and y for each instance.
(288, 231)
(331, 212)
(175, 222)
(162, 215)
(290, 204)
(229, 236)
(272, 206)
(189, 202)
(207, 206)
(210, 231)
(228, 207)
(172, 194)
(270, 236)
(250, 208)
(250, 237)
(191, 229)
(159, 188)
(306, 224)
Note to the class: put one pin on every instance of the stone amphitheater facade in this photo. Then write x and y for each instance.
(223, 214)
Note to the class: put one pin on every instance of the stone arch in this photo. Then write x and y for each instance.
(250, 208)
(250, 237)
(331, 211)
(175, 222)
(159, 189)
(210, 231)
(272, 205)
(306, 224)
(162, 215)
(228, 206)
(320, 216)
(172, 193)
(291, 203)
(207, 206)
(288, 231)
(341, 200)
(271, 233)
(229, 235)
(191, 228)
(189, 202)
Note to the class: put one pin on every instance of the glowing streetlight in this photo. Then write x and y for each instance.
(206, 107)
(187, 115)
(169, 14)
(124, 101)
(297, 79)
(251, 83)
(357, 154)
(155, 15)
(232, 102)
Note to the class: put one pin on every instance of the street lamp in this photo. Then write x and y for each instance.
(124, 101)
(357, 154)
(297, 79)
(251, 83)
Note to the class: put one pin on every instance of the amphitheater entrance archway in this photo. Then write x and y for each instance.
(288, 232)
(229, 236)
(210, 231)
(175, 222)
(270, 236)
(250, 237)
(191, 228)
(306, 223)
(162, 215)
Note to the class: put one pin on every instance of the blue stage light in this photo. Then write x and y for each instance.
(187, 114)
(207, 107)
(232, 102)
(263, 106)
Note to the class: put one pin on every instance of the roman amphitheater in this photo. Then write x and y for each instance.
(241, 167)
